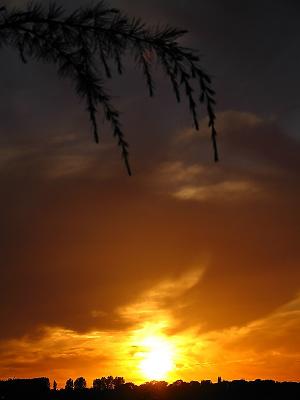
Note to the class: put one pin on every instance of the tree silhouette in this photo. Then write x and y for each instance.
(88, 45)
(99, 384)
(109, 383)
(39, 389)
(80, 383)
(118, 382)
(69, 384)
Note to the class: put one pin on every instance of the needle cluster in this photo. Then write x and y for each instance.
(90, 44)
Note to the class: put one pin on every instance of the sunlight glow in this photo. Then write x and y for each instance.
(157, 358)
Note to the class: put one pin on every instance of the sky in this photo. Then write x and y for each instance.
(195, 261)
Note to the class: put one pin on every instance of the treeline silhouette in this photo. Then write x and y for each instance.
(110, 388)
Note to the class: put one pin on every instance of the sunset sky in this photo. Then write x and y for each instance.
(188, 266)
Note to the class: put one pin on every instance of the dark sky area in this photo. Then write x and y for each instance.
(90, 257)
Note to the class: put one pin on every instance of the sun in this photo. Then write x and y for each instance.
(157, 358)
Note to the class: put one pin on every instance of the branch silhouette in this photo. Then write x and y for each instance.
(89, 44)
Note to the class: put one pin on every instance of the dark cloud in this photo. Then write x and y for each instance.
(77, 244)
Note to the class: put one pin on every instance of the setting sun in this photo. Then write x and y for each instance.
(157, 358)
(183, 281)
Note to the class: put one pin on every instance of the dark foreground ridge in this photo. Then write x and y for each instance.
(115, 388)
